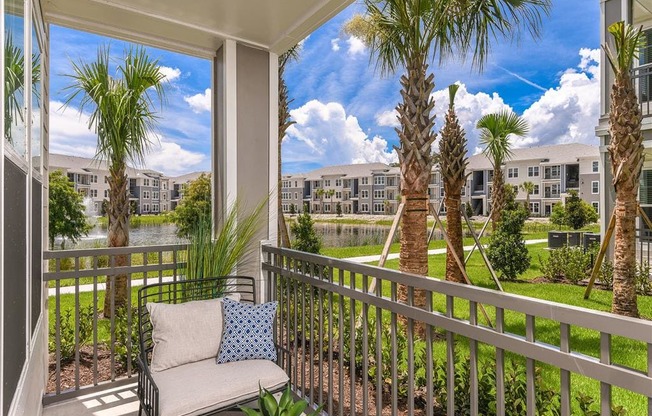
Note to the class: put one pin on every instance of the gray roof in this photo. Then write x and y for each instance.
(354, 170)
(76, 164)
(188, 177)
(553, 154)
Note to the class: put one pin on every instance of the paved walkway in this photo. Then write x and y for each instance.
(65, 290)
(391, 256)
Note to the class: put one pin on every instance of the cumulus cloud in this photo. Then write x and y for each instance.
(387, 118)
(569, 112)
(325, 135)
(356, 46)
(200, 102)
(170, 73)
(169, 157)
(335, 44)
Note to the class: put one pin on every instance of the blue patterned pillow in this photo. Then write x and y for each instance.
(248, 332)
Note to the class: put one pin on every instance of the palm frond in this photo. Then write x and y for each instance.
(628, 42)
(495, 131)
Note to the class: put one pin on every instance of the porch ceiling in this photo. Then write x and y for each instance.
(196, 27)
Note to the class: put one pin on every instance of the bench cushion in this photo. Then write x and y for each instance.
(199, 387)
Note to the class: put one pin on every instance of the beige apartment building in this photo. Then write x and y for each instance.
(374, 188)
(150, 192)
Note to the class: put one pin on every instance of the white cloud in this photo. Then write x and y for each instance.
(170, 73)
(200, 102)
(356, 46)
(387, 118)
(324, 134)
(167, 156)
(569, 112)
(335, 44)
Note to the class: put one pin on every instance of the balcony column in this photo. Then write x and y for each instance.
(245, 117)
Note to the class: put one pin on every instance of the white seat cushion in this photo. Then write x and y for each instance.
(196, 388)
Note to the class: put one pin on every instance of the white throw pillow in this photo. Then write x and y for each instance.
(185, 332)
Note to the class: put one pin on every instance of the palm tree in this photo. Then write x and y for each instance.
(495, 130)
(408, 34)
(320, 193)
(329, 193)
(626, 152)
(452, 163)
(528, 188)
(284, 122)
(123, 118)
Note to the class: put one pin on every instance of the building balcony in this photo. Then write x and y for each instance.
(381, 366)
(642, 76)
(551, 195)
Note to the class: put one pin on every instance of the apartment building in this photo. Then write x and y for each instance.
(554, 170)
(638, 13)
(149, 191)
(374, 188)
(179, 185)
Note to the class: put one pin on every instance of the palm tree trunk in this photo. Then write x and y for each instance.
(415, 157)
(498, 197)
(283, 123)
(116, 294)
(624, 282)
(454, 231)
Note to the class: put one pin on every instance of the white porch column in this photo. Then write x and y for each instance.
(245, 139)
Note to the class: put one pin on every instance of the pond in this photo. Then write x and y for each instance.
(332, 235)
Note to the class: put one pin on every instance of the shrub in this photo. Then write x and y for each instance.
(507, 251)
(576, 213)
(126, 338)
(338, 209)
(607, 274)
(469, 210)
(569, 263)
(305, 237)
(67, 332)
(642, 277)
(293, 210)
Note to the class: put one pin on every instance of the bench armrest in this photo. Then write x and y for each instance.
(147, 389)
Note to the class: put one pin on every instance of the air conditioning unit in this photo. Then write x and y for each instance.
(574, 238)
(557, 239)
(591, 239)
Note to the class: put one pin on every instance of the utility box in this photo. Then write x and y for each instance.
(557, 239)
(591, 239)
(574, 238)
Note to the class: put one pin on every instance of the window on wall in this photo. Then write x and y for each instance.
(155, 182)
(595, 187)
(379, 208)
(512, 173)
(595, 166)
(534, 207)
(596, 206)
(532, 171)
(379, 194)
(379, 180)
(536, 190)
(146, 194)
(441, 192)
(155, 195)
(364, 181)
(364, 194)
(364, 207)
(327, 182)
(338, 182)
(327, 208)
(106, 193)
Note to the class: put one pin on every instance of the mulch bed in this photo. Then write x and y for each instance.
(86, 374)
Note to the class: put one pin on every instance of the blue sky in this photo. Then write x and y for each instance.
(344, 108)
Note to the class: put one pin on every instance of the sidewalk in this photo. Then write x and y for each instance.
(391, 256)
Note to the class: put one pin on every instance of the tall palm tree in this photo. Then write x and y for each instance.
(409, 34)
(284, 122)
(495, 131)
(122, 115)
(528, 188)
(626, 152)
(329, 193)
(320, 194)
(452, 163)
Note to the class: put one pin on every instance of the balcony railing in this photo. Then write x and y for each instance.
(358, 349)
(642, 76)
(551, 194)
(88, 352)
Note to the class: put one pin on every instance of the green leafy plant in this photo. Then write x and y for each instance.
(643, 283)
(567, 263)
(209, 256)
(126, 344)
(507, 251)
(286, 406)
(66, 213)
(575, 213)
(67, 343)
(305, 237)
(607, 274)
(195, 207)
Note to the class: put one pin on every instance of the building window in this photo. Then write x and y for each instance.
(106, 179)
(364, 194)
(327, 208)
(534, 207)
(106, 193)
(165, 207)
(536, 190)
(379, 194)
(441, 192)
(317, 184)
(93, 193)
(463, 191)
(146, 194)
(296, 184)
(379, 208)
(165, 196)
(512, 173)
(156, 182)
(364, 181)
(338, 182)
(165, 186)
(145, 182)
(552, 172)
(155, 208)
(327, 182)
(596, 206)
(156, 194)
(296, 195)
(364, 207)
(595, 187)
(145, 207)
(379, 180)
(338, 195)
(532, 171)
(595, 166)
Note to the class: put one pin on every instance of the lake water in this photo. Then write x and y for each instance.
(332, 235)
